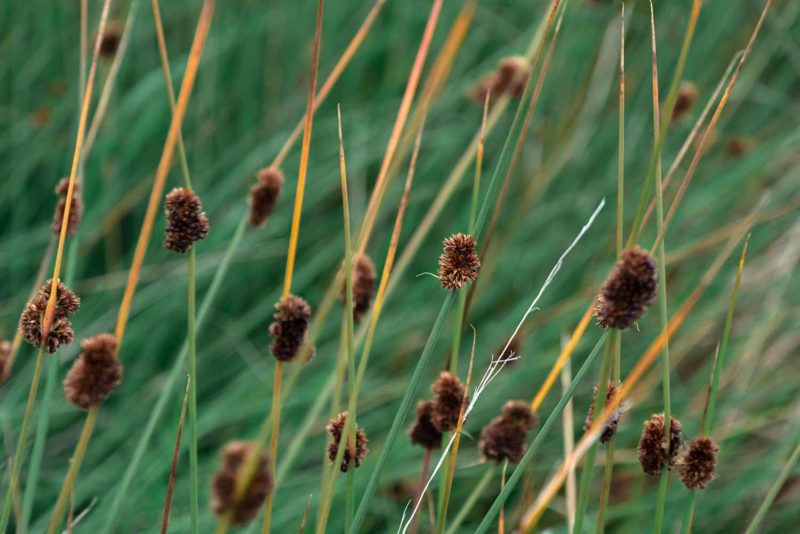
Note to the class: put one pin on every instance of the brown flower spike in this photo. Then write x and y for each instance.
(186, 221)
(698, 466)
(95, 373)
(353, 453)
(423, 433)
(264, 195)
(504, 438)
(459, 262)
(363, 286)
(654, 453)
(687, 96)
(448, 394)
(610, 427)
(75, 208)
(111, 38)
(224, 484)
(289, 327)
(61, 333)
(628, 291)
(5, 356)
(508, 80)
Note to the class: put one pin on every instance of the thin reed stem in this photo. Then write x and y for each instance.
(423, 476)
(473, 497)
(752, 528)
(273, 442)
(174, 467)
(194, 490)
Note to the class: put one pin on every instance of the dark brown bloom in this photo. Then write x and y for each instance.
(109, 41)
(448, 394)
(61, 333)
(459, 262)
(508, 80)
(628, 291)
(264, 195)
(5, 357)
(355, 452)
(224, 484)
(698, 465)
(687, 95)
(423, 432)
(610, 426)
(95, 373)
(504, 438)
(75, 207)
(289, 327)
(186, 221)
(363, 286)
(654, 453)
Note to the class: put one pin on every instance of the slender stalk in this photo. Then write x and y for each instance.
(752, 528)
(273, 442)
(174, 468)
(423, 476)
(473, 497)
(191, 335)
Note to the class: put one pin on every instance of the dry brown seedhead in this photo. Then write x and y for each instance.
(109, 42)
(654, 453)
(95, 373)
(224, 484)
(698, 465)
(186, 221)
(61, 333)
(610, 427)
(264, 195)
(448, 394)
(737, 146)
(508, 80)
(5, 360)
(628, 291)
(459, 263)
(75, 208)
(504, 438)
(423, 433)
(363, 286)
(355, 452)
(687, 96)
(289, 327)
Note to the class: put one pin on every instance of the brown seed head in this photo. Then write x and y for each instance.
(355, 452)
(75, 208)
(289, 327)
(5, 357)
(423, 432)
(508, 80)
(186, 221)
(459, 262)
(504, 438)
(61, 333)
(698, 465)
(610, 427)
(95, 373)
(448, 393)
(628, 291)
(111, 38)
(264, 195)
(736, 146)
(224, 484)
(687, 95)
(363, 286)
(654, 453)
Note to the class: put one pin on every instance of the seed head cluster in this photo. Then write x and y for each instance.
(354, 453)
(75, 208)
(264, 195)
(363, 286)
(504, 438)
(423, 433)
(109, 41)
(224, 484)
(289, 327)
(448, 394)
(459, 263)
(5, 360)
(654, 452)
(698, 465)
(508, 80)
(610, 427)
(628, 291)
(61, 333)
(687, 96)
(95, 373)
(186, 221)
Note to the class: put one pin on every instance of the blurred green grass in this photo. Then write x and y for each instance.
(250, 91)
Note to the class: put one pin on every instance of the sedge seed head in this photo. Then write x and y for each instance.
(224, 484)
(355, 452)
(264, 195)
(628, 291)
(459, 263)
(186, 221)
(95, 373)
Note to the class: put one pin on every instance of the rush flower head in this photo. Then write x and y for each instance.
(423, 433)
(628, 291)
(289, 327)
(61, 333)
(5, 357)
(504, 438)
(698, 465)
(363, 286)
(186, 221)
(687, 96)
(95, 373)
(264, 195)
(448, 394)
(610, 427)
(508, 80)
(355, 452)
(224, 484)
(109, 41)
(459, 262)
(654, 452)
(75, 208)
